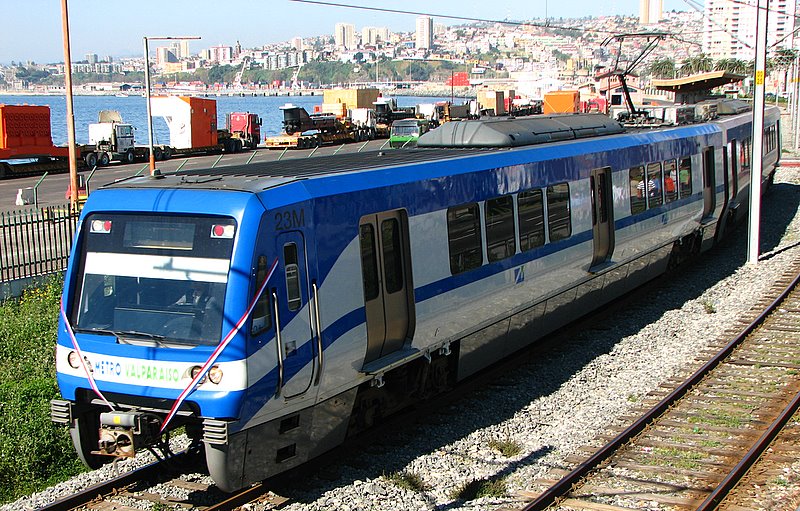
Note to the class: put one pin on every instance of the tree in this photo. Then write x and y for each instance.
(701, 63)
(419, 72)
(662, 68)
(735, 66)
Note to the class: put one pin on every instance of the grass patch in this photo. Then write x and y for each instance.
(408, 481)
(709, 307)
(35, 453)
(679, 458)
(717, 418)
(480, 488)
(507, 448)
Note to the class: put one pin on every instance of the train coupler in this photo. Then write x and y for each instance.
(121, 433)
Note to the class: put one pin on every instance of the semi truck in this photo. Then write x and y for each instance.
(302, 130)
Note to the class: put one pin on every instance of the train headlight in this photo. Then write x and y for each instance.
(215, 375)
(195, 372)
(74, 360)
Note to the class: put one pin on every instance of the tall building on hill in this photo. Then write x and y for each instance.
(424, 32)
(729, 30)
(344, 35)
(650, 11)
(372, 36)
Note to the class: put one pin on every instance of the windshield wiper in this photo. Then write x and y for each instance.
(123, 333)
(146, 335)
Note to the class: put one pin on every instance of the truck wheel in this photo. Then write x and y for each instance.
(238, 147)
(167, 153)
(129, 157)
(157, 154)
(103, 160)
(318, 140)
(90, 159)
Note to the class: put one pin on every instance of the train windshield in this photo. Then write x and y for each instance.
(154, 278)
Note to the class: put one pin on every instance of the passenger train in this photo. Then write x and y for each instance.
(272, 309)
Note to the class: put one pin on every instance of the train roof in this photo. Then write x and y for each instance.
(517, 132)
(453, 140)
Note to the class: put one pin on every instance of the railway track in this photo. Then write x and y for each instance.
(720, 439)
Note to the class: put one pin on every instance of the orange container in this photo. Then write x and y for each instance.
(204, 121)
(25, 126)
(561, 102)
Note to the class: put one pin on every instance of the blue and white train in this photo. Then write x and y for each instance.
(271, 309)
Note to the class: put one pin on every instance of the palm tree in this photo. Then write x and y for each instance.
(735, 66)
(701, 63)
(662, 68)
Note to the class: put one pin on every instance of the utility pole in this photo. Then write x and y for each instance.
(73, 159)
(757, 138)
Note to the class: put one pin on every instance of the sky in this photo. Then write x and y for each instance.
(32, 29)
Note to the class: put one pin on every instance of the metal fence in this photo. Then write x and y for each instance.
(36, 241)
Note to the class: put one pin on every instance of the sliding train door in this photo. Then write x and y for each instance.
(297, 350)
(388, 288)
(709, 183)
(602, 215)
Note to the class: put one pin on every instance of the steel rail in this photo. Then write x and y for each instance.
(560, 489)
(740, 470)
(154, 470)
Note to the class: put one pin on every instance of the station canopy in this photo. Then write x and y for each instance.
(698, 82)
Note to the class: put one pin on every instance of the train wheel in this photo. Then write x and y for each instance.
(90, 159)
(129, 157)
(103, 160)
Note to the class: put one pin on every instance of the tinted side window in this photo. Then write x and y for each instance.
(261, 313)
(530, 212)
(654, 185)
(670, 180)
(369, 262)
(638, 204)
(685, 176)
(500, 239)
(292, 276)
(558, 213)
(392, 255)
(464, 238)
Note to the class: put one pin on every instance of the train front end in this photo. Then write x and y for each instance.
(149, 337)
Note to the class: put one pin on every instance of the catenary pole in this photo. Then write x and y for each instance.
(73, 160)
(758, 133)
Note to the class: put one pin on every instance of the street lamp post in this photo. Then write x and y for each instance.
(154, 172)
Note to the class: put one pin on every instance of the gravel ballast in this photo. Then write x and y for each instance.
(556, 403)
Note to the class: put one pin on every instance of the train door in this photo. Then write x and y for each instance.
(388, 289)
(295, 339)
(709, 182)
(733, 162)
(602, 215)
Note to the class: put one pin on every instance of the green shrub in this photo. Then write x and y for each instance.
(479, 488)
(34, 452)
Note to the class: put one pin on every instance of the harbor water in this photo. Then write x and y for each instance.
(134, 111)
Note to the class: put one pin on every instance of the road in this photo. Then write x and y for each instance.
(53, 188)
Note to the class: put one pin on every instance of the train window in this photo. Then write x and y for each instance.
(559, 218)
(636, 175)
(464, 238)
(530, 213)
(392, 255)
(261, 313)
(292, 276)
(655, 180)
(500, 239)
(670, 180)
(744, 155)
(369, 262)
(685, 176)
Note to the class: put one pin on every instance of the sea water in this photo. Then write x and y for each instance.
(133, 110)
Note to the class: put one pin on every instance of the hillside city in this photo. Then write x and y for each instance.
(532, 57)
